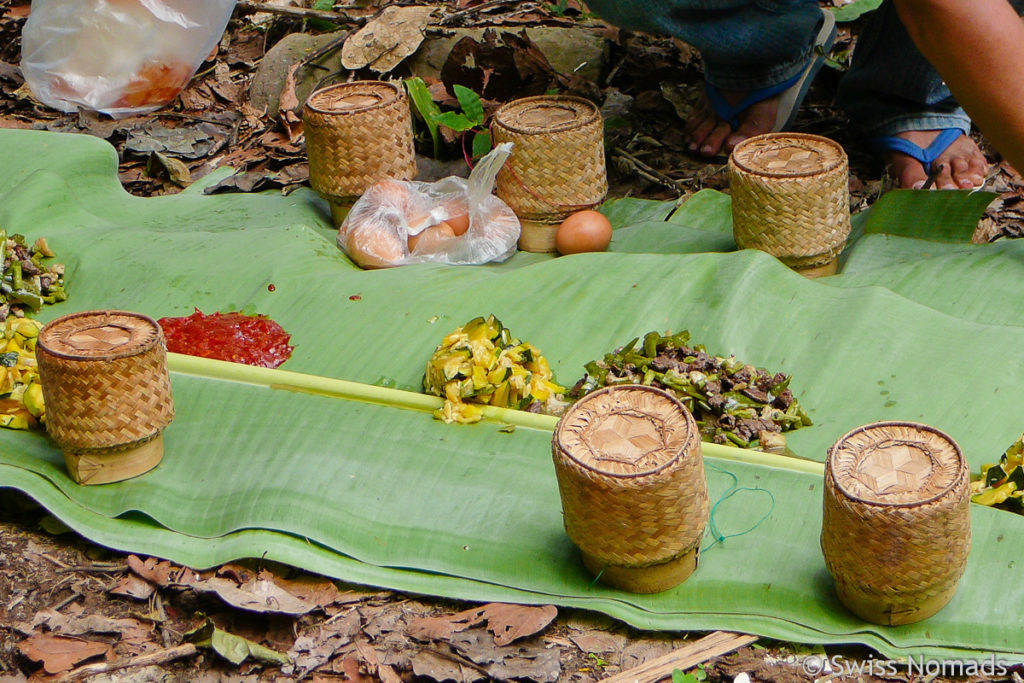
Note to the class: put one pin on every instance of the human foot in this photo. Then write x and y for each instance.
(963, 164)
(708, 135)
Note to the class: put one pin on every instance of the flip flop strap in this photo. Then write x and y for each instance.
(730, 113)
(925, 155)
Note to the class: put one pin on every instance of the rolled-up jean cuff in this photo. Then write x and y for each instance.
(731, 77)
(920, 121)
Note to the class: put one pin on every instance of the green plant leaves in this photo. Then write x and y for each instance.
(233, 648)
(855, 9)
(425, 106)
(471, 105)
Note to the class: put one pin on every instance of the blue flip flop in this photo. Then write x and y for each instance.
(925, 155)
(793, 90)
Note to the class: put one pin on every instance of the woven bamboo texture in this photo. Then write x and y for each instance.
(790, 197)
(357, 134)
(105, 381)
(557, 165)
(896, 528)
(631, 476)
(107, 465)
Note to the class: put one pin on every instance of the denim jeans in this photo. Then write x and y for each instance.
(748, 44)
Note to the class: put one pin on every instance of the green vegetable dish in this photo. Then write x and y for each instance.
(731, 401)
(28, 282)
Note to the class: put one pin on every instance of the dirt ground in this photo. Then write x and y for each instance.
(67, 603)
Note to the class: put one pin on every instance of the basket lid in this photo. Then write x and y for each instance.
(99, 335)
(349, 98)
(896, 463)
(788, 155)
(626, 431)
(546, 114)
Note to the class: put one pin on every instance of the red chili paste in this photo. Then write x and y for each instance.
(236, 337)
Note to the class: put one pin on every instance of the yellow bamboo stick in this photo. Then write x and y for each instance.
(397, 398)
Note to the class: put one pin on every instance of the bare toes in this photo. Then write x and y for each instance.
(712, 144)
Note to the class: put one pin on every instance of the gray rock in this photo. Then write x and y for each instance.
(569, 49)
(268, 81)
(616, 105)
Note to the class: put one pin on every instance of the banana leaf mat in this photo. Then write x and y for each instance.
(387, 496)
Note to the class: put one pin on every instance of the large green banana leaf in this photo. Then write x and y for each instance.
(390, 497)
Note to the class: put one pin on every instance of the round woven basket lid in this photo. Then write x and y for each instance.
(626, 431)
(100, 335)
(788, 155)
(350, 98)
(546, 114)
(896, 464)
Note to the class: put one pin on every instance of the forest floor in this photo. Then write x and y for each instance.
(66, 603)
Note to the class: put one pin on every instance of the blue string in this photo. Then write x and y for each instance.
(734, 488)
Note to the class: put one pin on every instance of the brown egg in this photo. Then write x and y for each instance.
(429, 239)
(374, 248)
(459, 224)
(583, 231)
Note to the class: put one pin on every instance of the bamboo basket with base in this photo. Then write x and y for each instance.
(107, 393)
(631, 479)
(557, 165)
(896, 529)
(790, 198)
(357, 134)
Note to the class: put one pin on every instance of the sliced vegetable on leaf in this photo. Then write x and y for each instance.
(482, 363)
(1002, 485)
(21, 394)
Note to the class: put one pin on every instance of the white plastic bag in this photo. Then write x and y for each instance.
(119, 57)
(398, 222)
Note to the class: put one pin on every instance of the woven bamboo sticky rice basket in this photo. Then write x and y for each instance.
(896, 529)
(790, 198)
(107, 393)
(357, 134)
(631, 478)
(557, 165)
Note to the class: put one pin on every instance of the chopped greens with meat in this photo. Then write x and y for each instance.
(28, 282)
(731, 401)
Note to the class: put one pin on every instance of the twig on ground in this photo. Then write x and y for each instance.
(98, 568)
(57, 562)
(158, 657)
(66, 601)
(476, 10)
(647, 172)
(718, 643)
(337, 17)
(326, 49)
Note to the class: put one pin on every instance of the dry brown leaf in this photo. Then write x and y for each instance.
(532, 661)
(288, 107)
(436, 667)
(62, 624)
(162, 573)
(307, 587)
(132, 586)
(511, 622)
(385, 41)
(598, 641)
(255, 595)
(350, 667)
(58, 654)
(506, 622)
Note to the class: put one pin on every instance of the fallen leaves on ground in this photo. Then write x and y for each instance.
(58, 654)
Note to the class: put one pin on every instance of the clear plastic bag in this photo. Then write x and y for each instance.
(454, 221)
(119, 57)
